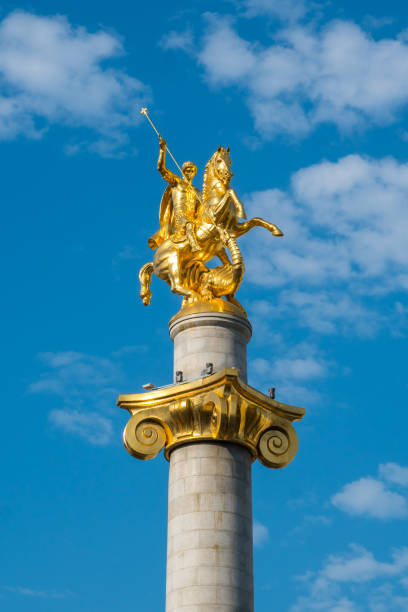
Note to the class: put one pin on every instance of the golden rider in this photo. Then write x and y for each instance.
(179, 205)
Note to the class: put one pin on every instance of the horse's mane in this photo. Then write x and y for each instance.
(207, 179)
(209, 171)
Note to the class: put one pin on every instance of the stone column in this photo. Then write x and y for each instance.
(207, 342)
(209, 540)
(212, 425)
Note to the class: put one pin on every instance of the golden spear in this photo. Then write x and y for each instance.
(144, 112)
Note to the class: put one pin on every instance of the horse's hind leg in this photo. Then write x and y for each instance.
(175, 282)
(145, 276)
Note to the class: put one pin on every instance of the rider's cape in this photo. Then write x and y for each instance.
(165, 220)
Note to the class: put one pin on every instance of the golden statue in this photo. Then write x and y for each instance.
(194, 230)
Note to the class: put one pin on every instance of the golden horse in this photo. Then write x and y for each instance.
(217, 226)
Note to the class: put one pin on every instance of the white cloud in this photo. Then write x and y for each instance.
(260, 534)
(344, 249)
(392, 472)
(369, 497)
(85, 384)
(363, 567)
(52, 72)
(355, 581)
(226, 57)
(338, 74)
(91, 426)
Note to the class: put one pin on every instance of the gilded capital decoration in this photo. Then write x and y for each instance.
(221, 408)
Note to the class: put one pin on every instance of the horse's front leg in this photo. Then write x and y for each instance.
(240, 229)
(239, 207)
(216, 210)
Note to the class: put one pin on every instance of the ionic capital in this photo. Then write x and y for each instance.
(220, 408)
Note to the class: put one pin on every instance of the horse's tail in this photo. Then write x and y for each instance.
(145, 276)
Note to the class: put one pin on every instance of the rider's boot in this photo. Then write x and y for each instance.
(191, 238)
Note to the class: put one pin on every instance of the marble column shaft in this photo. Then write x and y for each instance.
(209, 555)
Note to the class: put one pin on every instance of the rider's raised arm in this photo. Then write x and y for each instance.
(168, 176)
(238, 205)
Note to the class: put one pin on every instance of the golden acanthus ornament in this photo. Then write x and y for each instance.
(195, 228)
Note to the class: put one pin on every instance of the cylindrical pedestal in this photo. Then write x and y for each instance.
(209, 554)
(207, 342)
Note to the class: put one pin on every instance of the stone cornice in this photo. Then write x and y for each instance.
(220, 407)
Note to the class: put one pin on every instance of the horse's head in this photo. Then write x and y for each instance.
(220, 163)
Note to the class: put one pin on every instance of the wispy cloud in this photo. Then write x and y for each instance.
(52, 72)
(91, 426)
(71, 373)
(348, 581)
(370, 497)
(290, 10)
(127, 252)
(178, 41)
(311, 520)
(86, 387)
(291, 372)
(260, 534)
(376, 23)
(35, 593)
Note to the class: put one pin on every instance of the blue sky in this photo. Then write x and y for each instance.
(312, 99)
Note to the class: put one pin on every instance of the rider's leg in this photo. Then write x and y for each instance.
(191, 237)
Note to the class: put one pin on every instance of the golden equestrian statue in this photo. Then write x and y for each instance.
(194, 229)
